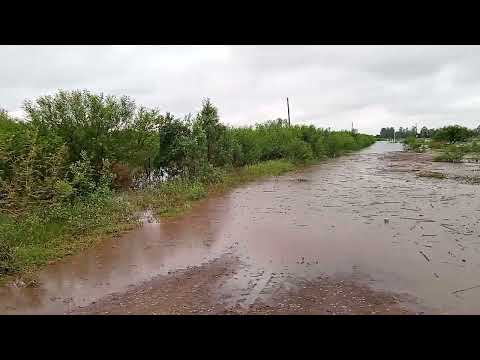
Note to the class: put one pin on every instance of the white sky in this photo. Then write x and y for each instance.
(328, 86)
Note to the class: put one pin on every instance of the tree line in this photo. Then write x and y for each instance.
(450, 134)
(74, 143)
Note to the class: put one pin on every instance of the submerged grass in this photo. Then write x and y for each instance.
(44, 235)
(174, 197)
(432, 174)
(472, 180)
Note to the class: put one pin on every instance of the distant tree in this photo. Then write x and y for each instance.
(424, 132)
(400, 133)
(413, 131)
(453, 134)
(387, 133)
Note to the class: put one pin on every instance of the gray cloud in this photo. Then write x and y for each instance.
(329, 86)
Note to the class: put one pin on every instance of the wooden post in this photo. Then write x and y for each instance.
(288, 109)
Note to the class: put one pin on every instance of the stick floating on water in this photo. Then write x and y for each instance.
(425, 256)
(473, 287)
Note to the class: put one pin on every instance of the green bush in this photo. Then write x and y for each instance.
(63, 189)
(436, 144)
(82, 176)
(474, 147)
(451, 153)
(299, 151)
(414, 144)
(335, 144)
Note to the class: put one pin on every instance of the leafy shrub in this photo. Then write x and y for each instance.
(452, 153)
(334, 144)
(413, 144)
(32, 169)
(474, 147)
(319, 148)
(436, 144)
(63, 189)
(82, 174)
(299, 151)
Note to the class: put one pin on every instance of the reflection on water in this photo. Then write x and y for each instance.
(154, 249)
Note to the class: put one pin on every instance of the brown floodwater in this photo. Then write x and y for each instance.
(353, 217)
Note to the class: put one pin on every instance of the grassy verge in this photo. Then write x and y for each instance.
(45, 235)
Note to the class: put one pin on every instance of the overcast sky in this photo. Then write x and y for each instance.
(328, 86)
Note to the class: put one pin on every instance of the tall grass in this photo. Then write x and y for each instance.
(44, 234)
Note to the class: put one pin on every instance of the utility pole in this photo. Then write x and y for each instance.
(288, 109)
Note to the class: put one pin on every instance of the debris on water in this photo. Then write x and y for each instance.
(470, 288)
(416, 219)
(26, 281)
(386, 220)
(436, 275)
(425, 256)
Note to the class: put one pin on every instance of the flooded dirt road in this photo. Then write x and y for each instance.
(358, 234)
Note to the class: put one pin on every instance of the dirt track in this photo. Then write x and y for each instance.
(192, 292)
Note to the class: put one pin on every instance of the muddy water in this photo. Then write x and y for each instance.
(352, 217)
